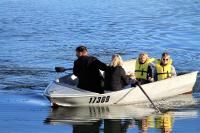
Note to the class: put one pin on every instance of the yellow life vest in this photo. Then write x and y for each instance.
(141, 69)
(163, 72)
(150, 121)
(164, 121)
(167, 121)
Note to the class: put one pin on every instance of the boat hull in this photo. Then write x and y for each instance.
(67, 95)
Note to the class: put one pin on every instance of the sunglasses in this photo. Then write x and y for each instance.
(165, 59)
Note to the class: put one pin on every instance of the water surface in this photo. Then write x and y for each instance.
(36, 36)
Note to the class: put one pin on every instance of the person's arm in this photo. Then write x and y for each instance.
(155, 75)
(75, 69)
(102, 66)
(173, 71)
(124, 77)
(150, 73)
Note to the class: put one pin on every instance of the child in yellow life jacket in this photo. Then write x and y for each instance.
(144, 68)
(164, 68)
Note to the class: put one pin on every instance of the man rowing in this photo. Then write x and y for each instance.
(87, 69)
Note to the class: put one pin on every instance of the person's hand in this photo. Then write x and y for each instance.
(137, 82)
(150, 79)
(131, 75)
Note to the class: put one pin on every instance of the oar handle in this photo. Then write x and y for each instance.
(68, 69)
(62, 69)
(138, 84)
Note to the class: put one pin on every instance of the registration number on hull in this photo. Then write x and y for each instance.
(103, 99)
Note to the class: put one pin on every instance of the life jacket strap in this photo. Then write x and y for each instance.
(141, 71)
(164, 73)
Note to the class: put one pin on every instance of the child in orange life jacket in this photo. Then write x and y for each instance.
(164, 68)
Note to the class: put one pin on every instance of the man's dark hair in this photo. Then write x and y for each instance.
(81, 48)
(165, 54)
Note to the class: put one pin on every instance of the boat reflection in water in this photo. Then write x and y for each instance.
(108, 126)
(162, 122)
(114, 119)
(92, 113)
(110, 119)
(119, 119)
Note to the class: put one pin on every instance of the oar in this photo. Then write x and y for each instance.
(62, 69)
(138, 84)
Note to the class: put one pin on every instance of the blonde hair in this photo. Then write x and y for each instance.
(143, 54)
(116, 60)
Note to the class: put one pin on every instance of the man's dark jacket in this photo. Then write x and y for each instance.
(86, 68)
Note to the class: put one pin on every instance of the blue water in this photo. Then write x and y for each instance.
(37, 35)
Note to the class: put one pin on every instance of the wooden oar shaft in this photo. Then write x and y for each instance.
(148, 97)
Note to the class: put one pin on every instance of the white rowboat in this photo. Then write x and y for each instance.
(63, 91)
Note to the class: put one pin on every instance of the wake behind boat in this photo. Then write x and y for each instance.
(63, 91)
